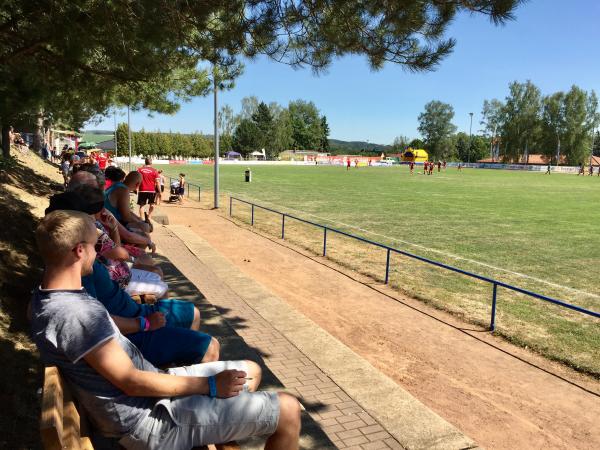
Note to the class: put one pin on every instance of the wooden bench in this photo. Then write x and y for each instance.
(61, 426)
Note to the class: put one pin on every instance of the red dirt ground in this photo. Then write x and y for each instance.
(502, 396)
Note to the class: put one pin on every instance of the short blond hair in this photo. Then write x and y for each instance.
(60, 231)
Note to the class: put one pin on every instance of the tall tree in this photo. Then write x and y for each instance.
(493, 118)
(553, 120)
(400, 143)
(306, 125)
(435, 125)
(523, 126)
(325, 134)
(263, 120)
(581, 118)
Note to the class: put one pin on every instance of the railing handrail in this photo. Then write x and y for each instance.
(492, 281)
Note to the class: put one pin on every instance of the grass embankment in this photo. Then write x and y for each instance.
(24, 192)
(534, 231)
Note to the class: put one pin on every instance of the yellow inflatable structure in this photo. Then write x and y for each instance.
(414, 155)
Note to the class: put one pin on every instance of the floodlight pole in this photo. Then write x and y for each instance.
(129, 136)
(216, 138)
(470, 130)
(116, 144)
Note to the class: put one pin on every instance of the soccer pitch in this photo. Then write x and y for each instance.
(536, 231)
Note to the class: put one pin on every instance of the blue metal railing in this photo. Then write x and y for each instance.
(389, 250)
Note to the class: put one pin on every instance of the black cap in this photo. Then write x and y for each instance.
(73, 202)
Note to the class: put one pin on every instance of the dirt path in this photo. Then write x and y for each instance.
(502, 396)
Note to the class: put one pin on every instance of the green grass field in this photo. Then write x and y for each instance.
(535, 231)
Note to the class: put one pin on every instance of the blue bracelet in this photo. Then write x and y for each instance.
(142, 323)
(212, 386)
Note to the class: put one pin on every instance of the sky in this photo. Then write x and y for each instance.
(553, 43)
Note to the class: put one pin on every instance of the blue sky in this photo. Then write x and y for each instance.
(554, 43)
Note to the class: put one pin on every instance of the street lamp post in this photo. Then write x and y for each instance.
(216, 138)
(470, 134)
(129, 136)
(116, 145)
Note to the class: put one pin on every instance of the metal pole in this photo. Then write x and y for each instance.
(216, 138)
(387, 266)
(129, 136)
(324, 241)
(283, 226)
(493, 320)
(116, 144)
(230, 205)
(252, 220)
(198, 192)
(470, 130)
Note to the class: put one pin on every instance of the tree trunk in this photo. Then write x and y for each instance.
(38, 135)
(6, 141)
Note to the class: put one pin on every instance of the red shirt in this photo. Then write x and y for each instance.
(102, 160)
(149, 177)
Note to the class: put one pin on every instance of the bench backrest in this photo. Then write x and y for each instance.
(60, 425)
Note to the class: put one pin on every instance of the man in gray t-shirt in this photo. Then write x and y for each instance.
(126, 396)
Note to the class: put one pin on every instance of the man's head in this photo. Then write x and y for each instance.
(133, 180)
(148, 161)
(94, 170)
(82, 178)
(66, 239)
(114, 174)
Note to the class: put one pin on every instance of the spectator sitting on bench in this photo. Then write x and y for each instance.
(132, 240)
(124, 395)
(134, 281)
(173, 324)
(117, 202)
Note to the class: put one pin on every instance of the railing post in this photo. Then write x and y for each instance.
(324, 241)
(198, 192)
(283, 226)
(493, 321)
(387, 266)
(230, 205)
(252, 220)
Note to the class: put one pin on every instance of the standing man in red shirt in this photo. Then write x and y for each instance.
(102, 160)
(147, 191)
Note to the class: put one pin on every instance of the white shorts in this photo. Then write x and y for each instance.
(196, 420)
(145, 282)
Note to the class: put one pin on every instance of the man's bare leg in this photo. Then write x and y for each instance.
(287, 434)
(212, 352)
(196, 320)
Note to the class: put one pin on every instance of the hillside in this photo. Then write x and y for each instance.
(355, 147)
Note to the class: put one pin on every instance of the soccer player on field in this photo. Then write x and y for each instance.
(431, 165)
(412, 167)
(439, 166)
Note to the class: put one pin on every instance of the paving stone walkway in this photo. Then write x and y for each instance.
(346, 425)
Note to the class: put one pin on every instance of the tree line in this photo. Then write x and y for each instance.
(559, 126)
(164, 144)
(272, 127)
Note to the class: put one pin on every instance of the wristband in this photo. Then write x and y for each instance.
(142, 324)
(212, 386)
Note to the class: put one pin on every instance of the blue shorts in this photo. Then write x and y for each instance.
(179, 313)
(169, 345)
